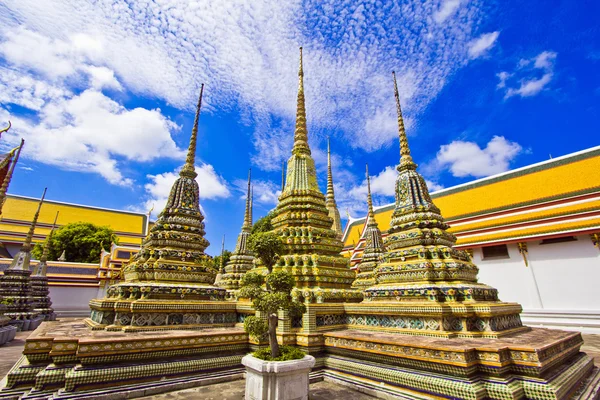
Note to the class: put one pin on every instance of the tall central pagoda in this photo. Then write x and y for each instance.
(302, 219)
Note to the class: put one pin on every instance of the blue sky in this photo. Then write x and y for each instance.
(104, 94)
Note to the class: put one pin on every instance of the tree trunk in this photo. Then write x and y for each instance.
(273, 335)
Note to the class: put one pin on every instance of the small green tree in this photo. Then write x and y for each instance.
(268, 247)
(81, 241)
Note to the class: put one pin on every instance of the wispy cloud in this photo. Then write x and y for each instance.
(478, 47)
(530, 77)
(246, 51)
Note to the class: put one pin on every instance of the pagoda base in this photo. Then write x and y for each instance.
(7, 333)
(130, 315)
(65, 359)
(539, 364)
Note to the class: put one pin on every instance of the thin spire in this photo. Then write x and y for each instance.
(8, 177)
(5, 129)
(330, 195)
(222, 253)
(189, 169)
(282, 175)
(371, 214)
(248, 212)
(301, 132)
(29, 237)
(41, 268)
(251, 205)
(405, 157)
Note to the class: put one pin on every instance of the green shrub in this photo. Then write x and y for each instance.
(287, 353)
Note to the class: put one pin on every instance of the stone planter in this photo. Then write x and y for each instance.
(277, 380)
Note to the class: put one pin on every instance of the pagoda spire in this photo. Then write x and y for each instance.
(406, 160)
(21, 260)
(189, 169)
(282, 175)
(42, 266)
(371, 214)
(330, 203)
(248, 213)
(301, 131)
(9, 174)
(5, 129)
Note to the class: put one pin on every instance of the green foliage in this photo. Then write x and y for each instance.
(252, 278)
(256, 327)
(280, 281)
(263, 224)
(287, 353)
(267, 246)
(81, 241)
(216, 261)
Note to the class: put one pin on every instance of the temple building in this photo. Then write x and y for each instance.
(532, 231)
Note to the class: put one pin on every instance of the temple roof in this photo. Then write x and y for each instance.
(555, 197)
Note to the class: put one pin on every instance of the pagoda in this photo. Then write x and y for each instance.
(39, 282)
(374, 249)
(169, 283)
(241, 260)
(330, 203)
(15, 284)
(7, 168)
(302, 220)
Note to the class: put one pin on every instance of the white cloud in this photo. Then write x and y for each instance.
(212, 186)
(247, 52)
(103, 78)
(447, 8)
(89, 132)
(265, 192)
(530, 77)
(482, 44)
(468, 159)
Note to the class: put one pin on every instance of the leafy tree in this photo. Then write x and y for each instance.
(217, 259)
(263, 224)
(268, 247)
(81, 241)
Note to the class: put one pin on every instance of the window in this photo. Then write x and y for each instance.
(499, 251)
(123, 254)
(559, 240)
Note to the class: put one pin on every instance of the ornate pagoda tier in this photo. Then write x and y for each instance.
(169, 282)
(302, 219)
(15, 284)
(241, 260)
(374, 249)
(39, 282)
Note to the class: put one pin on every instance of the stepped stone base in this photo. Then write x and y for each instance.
(69, 360)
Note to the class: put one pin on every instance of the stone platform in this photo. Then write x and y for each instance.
(538, 364)
(65, 358)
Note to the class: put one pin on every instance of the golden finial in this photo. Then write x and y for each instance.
(42, 266)
(5, 129)
(8, 177)
(251, 204)
(248, 213)
(301, 131)
(282, 175)
(330, 194)
(189, 169)
(371, 214)
(405, 157)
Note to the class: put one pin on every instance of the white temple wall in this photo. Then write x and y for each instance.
(558, 289)
(72, 301)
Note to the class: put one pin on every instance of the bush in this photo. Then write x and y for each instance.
(287, 353)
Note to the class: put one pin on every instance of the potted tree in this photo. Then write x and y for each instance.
(277, 372)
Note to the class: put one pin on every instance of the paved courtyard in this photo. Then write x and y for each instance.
(11, 352)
